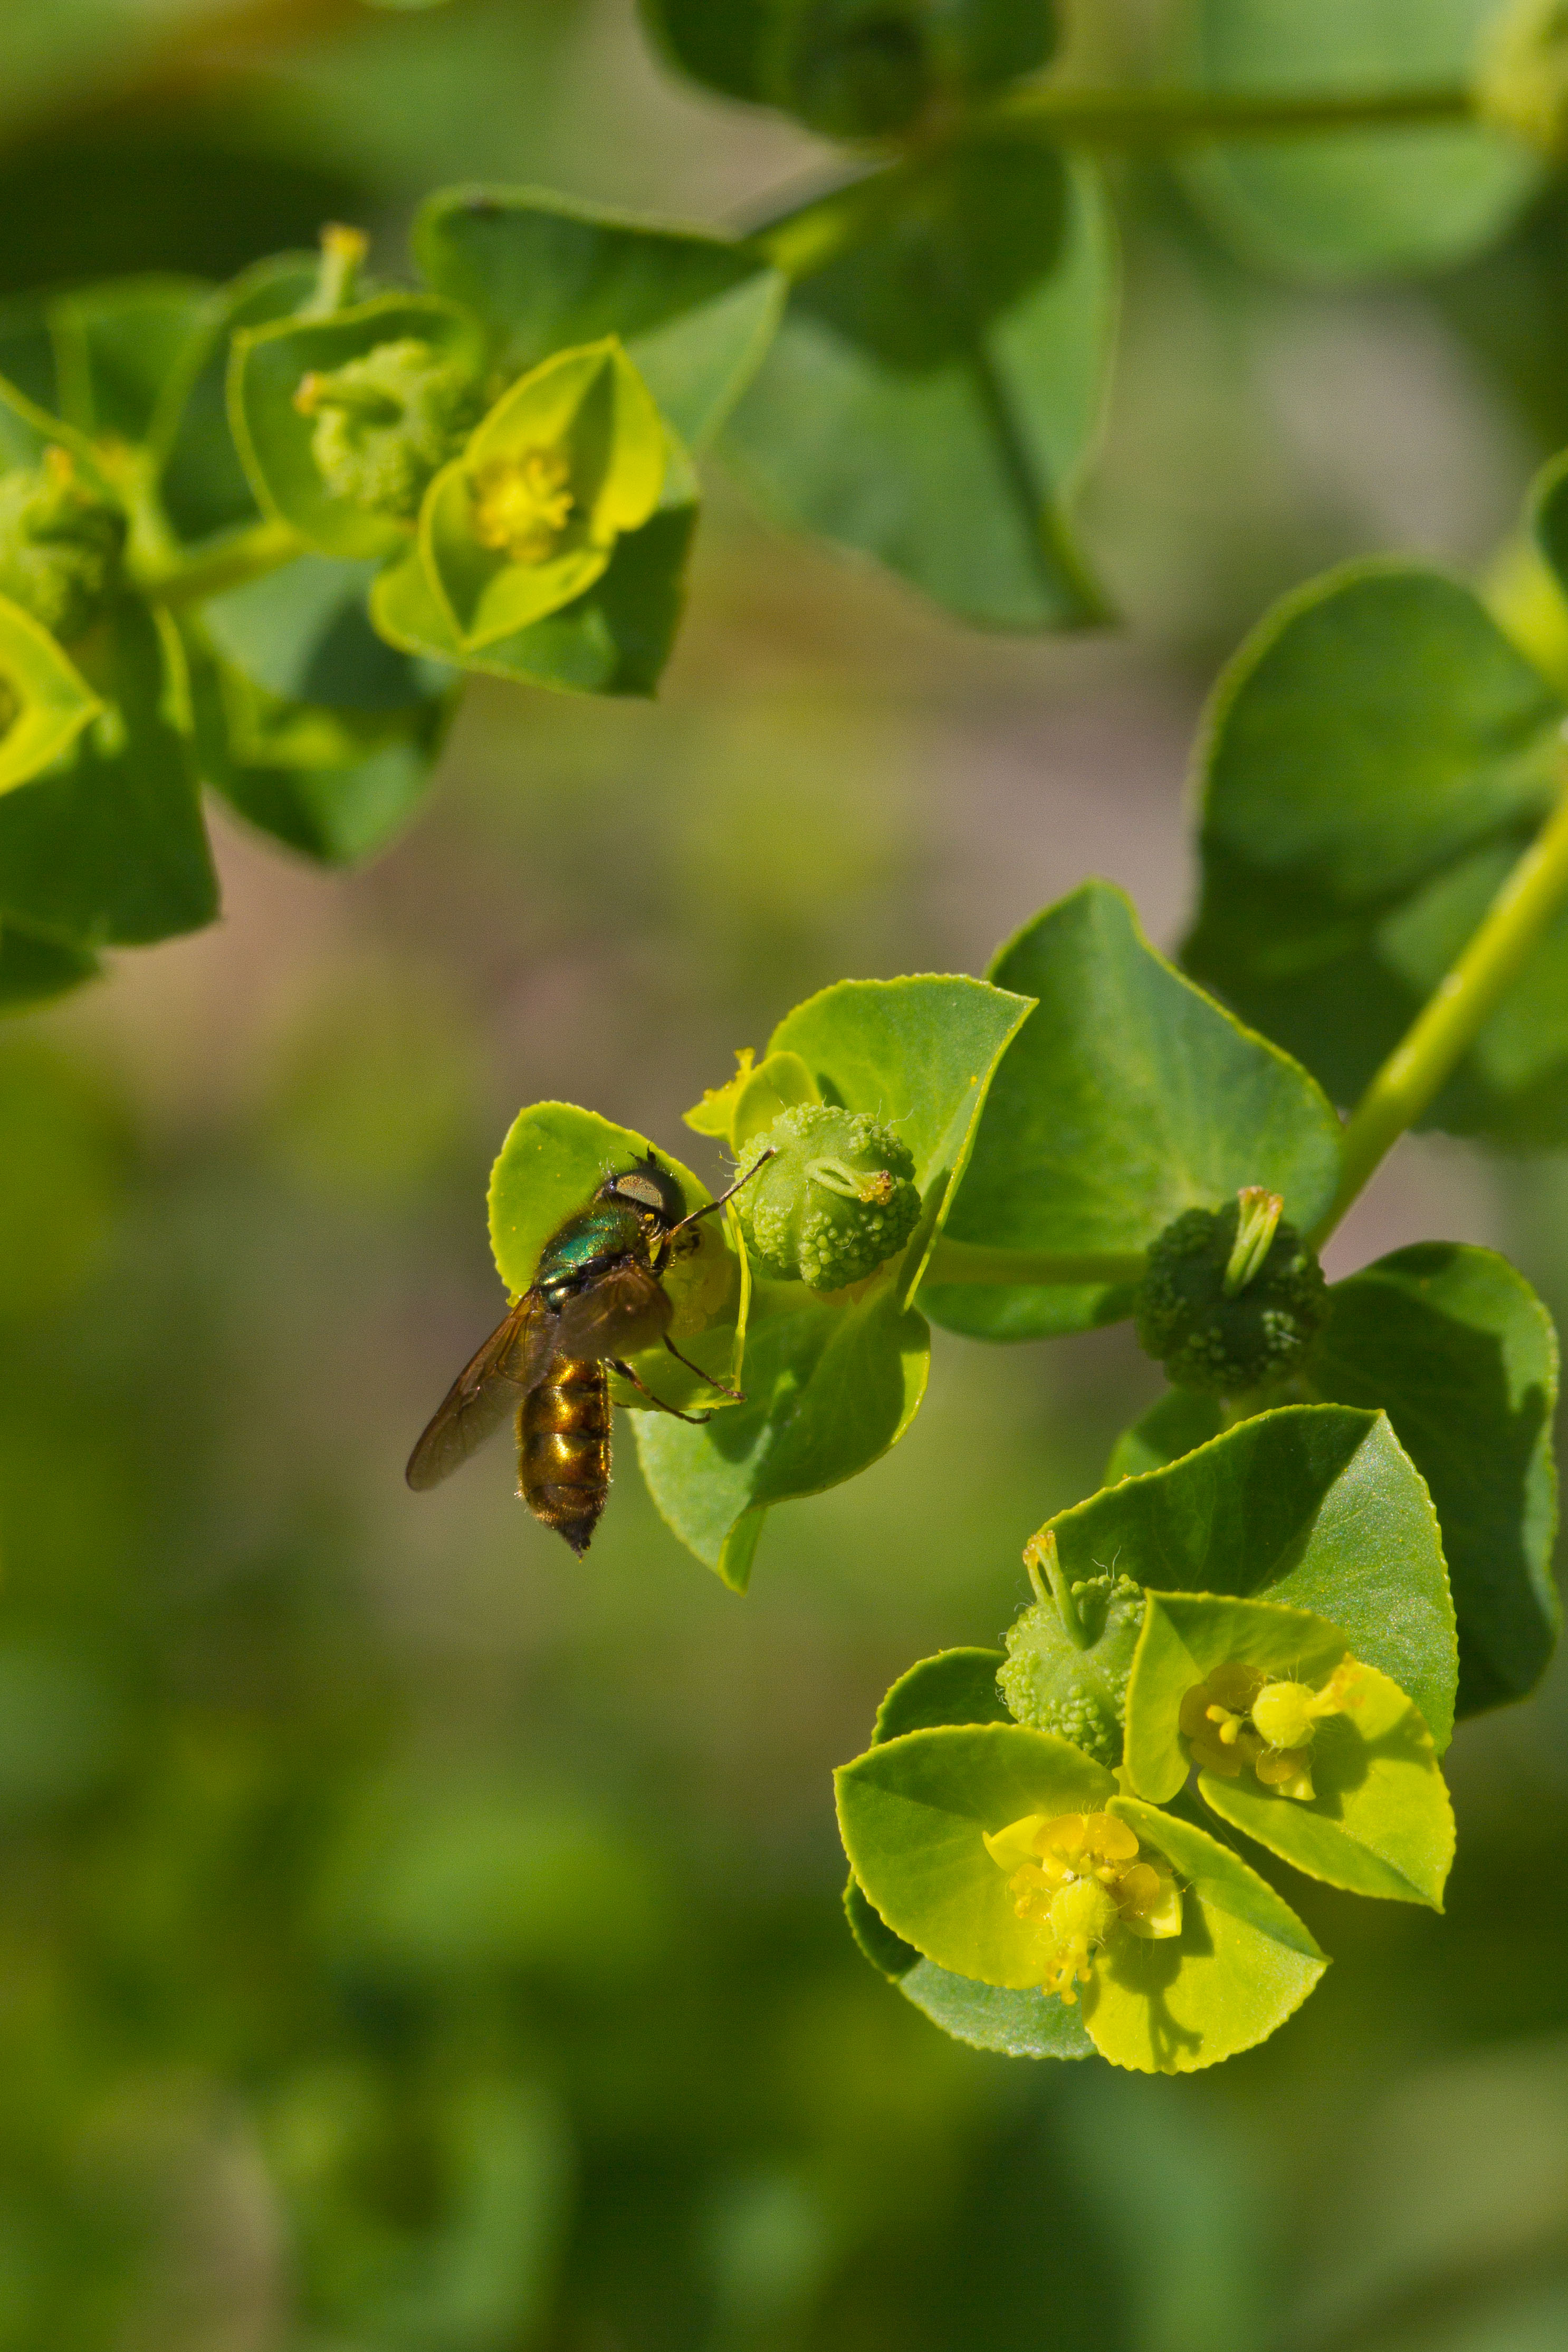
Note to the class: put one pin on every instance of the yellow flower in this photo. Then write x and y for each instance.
(1241, 1717)
(1081, 1876)
(521, 504)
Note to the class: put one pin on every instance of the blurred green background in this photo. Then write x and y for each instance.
(410, 1940)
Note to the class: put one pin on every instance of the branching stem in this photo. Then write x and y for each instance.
(1137, 117)
(1455, 1013)
(249, 555)
(1022, 1269)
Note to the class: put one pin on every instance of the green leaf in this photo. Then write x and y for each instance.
(913, 1812)
(853, 67)
(1241, 1966)
(833, 1381)
(828, 1387)
(552, 1162)
(1378, 756)
(1353, 203)
(1311, 1506)
(1015, 2024)
(1379, 1821)
(28, 350)
(303, 634)
(956, 1686)
(35, 970)
(1462, 1354)
(613, 639)
(275, 440)
(334, 782)
(44, 702)
(586, 413)
(933, 391)
(543, 273)
(202, 483)
(109, 847)
(26, 431)
(117, 345)
(1129, 1097)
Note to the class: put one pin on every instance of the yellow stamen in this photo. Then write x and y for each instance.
(1086, 1880)
(1238, 1717)
(521, 504)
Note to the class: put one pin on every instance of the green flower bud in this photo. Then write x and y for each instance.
(387, 422)
(1233, 1296)
(60, 544)
(1523, 85)
(1069, 1657)
(835, 1202)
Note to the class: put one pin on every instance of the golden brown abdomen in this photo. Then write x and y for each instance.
(563, 1448)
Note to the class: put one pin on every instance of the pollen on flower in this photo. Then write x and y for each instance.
(1083, 1879)
(1241, 1718)
(521, 504)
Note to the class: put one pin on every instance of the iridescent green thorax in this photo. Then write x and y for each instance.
(603, 1229)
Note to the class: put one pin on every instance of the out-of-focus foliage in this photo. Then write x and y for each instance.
(408, 1942)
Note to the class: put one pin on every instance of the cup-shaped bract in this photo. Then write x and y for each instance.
(1005, 1855)
(1319, 1757)
(45, 703)
(528, 517)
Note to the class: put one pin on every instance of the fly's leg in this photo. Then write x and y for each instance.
(709, 1206)
(698, 1420)
(734, 1395)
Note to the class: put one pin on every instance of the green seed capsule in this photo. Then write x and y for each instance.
(836, 1201)
(387, 422)
(60, 545)
(1224, 1317)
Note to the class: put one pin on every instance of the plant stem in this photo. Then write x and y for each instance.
(1024, 1269)
(1137, 117)
(249, 555)
(1455, 1012)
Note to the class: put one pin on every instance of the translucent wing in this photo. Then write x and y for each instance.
(617, 1313)
(486, 1393)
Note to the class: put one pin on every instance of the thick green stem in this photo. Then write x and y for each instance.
(249, 555)
(1026, 1269)
(1456, 1010)
(1137, 117)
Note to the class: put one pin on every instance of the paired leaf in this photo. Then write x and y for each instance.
(1311, 1506)
(955, 1686)
(1379, 1821)
(35, 970)
(915, 1812)
(616, 638)
(832, 1382)
(1378, 757)
(585, 415)
(932, 391)
(44, 702)
(116, 348)
(1014, 2024)
(543, 274)
(1351, 204)
(1129, 1098)
(109, 847)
